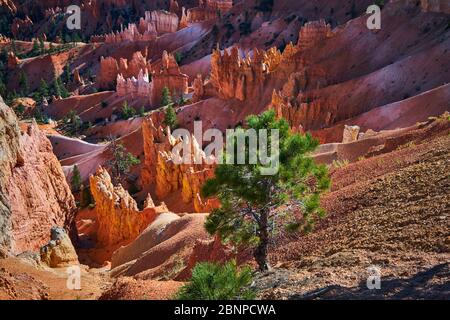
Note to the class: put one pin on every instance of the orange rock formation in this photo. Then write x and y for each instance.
(118, 216)
(162, 170)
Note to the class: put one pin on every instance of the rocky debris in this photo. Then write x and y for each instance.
(162, 169)
(126, 288)
(59, 251)
(21, 286)
(119, 219)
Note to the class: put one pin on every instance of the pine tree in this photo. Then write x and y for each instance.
(122, 160)
(166, 97)
(43, 89)
(170, 118)
(57, 88)
(41, 45)
(75, 181)
(252, 202)
(23, 83)
(35, 51)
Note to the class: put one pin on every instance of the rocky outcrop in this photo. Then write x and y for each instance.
(150, 86)
(199, 88)
(135, 88)
(205, 11)
(13, 61)
(351, 134)
(170, 76)
(118, 216)
(237, 77)
(34, 192)
(164, 21)
(312, 33)
(111, 68)
(144, 31)
(162, 168)
(59, 251)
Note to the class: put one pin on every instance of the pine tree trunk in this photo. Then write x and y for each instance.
(260, 253)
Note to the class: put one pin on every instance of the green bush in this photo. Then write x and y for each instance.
(212, 281)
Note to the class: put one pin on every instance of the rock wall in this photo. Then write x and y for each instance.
(34, 192)
(118, 216)
(205, 11)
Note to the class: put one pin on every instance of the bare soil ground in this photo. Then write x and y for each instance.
(390, 211)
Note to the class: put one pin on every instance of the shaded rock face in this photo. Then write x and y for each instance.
(59, 251)
(34, 192)
(162, 170)
(10, 156)
(118, 216)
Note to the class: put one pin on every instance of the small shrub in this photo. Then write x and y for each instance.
(340, 163)
(212, 281)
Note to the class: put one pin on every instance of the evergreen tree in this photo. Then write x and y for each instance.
(170, 118)
(57, 88)
(35, 51)
(212, 281)
(23, 83)
(75, 181)
(41, 46)
(254, 204)
(43, 89)
(127, 112)
(122, 160)
(166, 97)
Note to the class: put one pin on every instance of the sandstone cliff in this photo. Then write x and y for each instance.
(34, 192)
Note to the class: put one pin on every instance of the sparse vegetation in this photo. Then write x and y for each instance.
(75, 180)
(338, 164)
(170, 118)
(212, 281)
(127, 112)
(122, 160)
